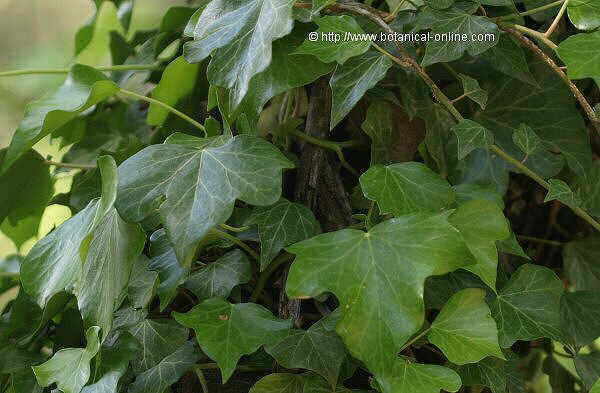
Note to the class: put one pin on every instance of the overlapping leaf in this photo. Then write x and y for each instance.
(584, 14)
(580, 53)
(580, 258)
(580, 316)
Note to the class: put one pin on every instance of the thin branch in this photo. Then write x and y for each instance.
(541, 241)
(122, 67)
(557, 19)
(67, 165)
(587, 108)
(414, 339)
(233, 239)
(264, 276)
(530, 12)
(233, 229)
(165, 106)
(531, 33)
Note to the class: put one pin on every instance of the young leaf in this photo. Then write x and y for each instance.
(580, 316)
(328, 50)
(381, 300)
(167, 372)
(159, 339)
(280, 225)
(70, 368)
(471, 136)
(239, 37)
(580, 53)
(83, 88)
(351, 81)
(559, 190)
(516, 308)
(580, 258)
(584, 14)
(456, 21)
(409, 187)
(472, 90)
(527, 140)
(222, 330)
(177, 81)
(317, 349)
(218, 278)
(199, 180)
(464, 329)
(481, 236)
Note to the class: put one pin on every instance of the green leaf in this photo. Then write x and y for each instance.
(580, 316)
(378, 279)
(83, 88)
(595, 388)
(218, 278)
(411, 377)
(167, 372)
(194, 183)
(222, 330)
(489, 372)
(584, 14)
(13, 359)
(559, 190)
(464, 329)
(164, 261)
(455, 21)
(280, 225)
(378, 125)
(527, 140)
(439, 4)
(587, 188)
(296, 383)
(580, 53)
(286, 71)
(481, 235)
(159, 339)
(580, 262)
(114, 361)
(70, 368)
(177, 81)
(328, 50)
(439, 289)
(508, 57)
(96, 50)
(318, 349)
(409, 187)
(142, 283)
(239, 37)
(351, 81)
(472, 90)
(517, 309)
(471, 136)
(588, 368)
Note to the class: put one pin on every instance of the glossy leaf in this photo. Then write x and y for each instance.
(471, 136)
(580, 54)
(584, 14)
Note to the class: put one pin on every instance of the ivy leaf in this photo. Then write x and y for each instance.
(481, 236)
(167, 372)
(199, 180)
(584, 14)
(455, 21)
(439, 4)
(471, 136)
(114, 361)
(177, 81)
(280, 225)
(218, 278)
(95, 49)
(421, 378)
(329, 51)
(527, 140)
(595, 388)
(159, 339)
(587, 367)
(317, 349)
(516, 308)
(464, 329)
(472, 90)
(559, 190)
(222, 330)
(378, 125)
(83, 88)
(404, 188)
(579, 52)
(508, 57)
(587, 188)
(579, 316)
(378, 279)
(351, 81)
(489, 372)
(142, 283)
(296, 383)
(580, 258)
(70, 368)
(239, 36)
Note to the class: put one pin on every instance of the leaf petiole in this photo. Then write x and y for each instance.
(41, 71)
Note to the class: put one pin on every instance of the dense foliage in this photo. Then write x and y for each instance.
(264, 199)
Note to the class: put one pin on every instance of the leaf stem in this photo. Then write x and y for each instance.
(201, 378)
(414, 339)
(531, 11)
(67, 165)
(165, 106)
(541, 241)
(233, 239)
(264, 276)
(233, 229)
(557, 19)
(40, 71)
(534, 34)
